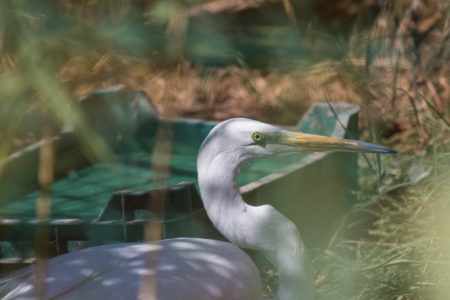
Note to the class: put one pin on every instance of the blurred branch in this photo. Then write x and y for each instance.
(175, 32)
(290, 13)
(221, 6)
(43, 209)
(414, 4)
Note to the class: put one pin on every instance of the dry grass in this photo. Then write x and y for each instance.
(274, 96)
(405, 72)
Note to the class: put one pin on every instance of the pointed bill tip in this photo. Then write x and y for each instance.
(372, 148)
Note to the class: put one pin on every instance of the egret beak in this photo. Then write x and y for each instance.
(318, 143)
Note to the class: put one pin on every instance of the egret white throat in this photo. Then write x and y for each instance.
(194, 268)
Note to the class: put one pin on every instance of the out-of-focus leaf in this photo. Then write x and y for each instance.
(416, 173)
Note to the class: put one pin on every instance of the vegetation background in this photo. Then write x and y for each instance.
(267, 60)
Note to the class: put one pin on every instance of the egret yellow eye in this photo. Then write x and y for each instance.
(257, 137)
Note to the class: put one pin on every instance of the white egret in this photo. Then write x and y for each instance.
(193, 268)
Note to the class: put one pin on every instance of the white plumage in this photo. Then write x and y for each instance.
(183, 268)
(191, 268)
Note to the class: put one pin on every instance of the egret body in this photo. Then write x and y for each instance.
(192, 268)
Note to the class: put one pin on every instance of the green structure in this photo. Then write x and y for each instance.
(100, 200)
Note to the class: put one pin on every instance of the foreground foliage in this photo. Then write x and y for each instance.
(394, 244)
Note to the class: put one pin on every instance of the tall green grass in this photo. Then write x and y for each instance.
(394, 244)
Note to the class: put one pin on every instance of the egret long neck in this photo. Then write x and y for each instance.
(220, 194)
(255, 227)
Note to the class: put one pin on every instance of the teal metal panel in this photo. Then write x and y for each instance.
(111, 200)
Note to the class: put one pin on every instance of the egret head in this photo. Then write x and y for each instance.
(244, 139)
